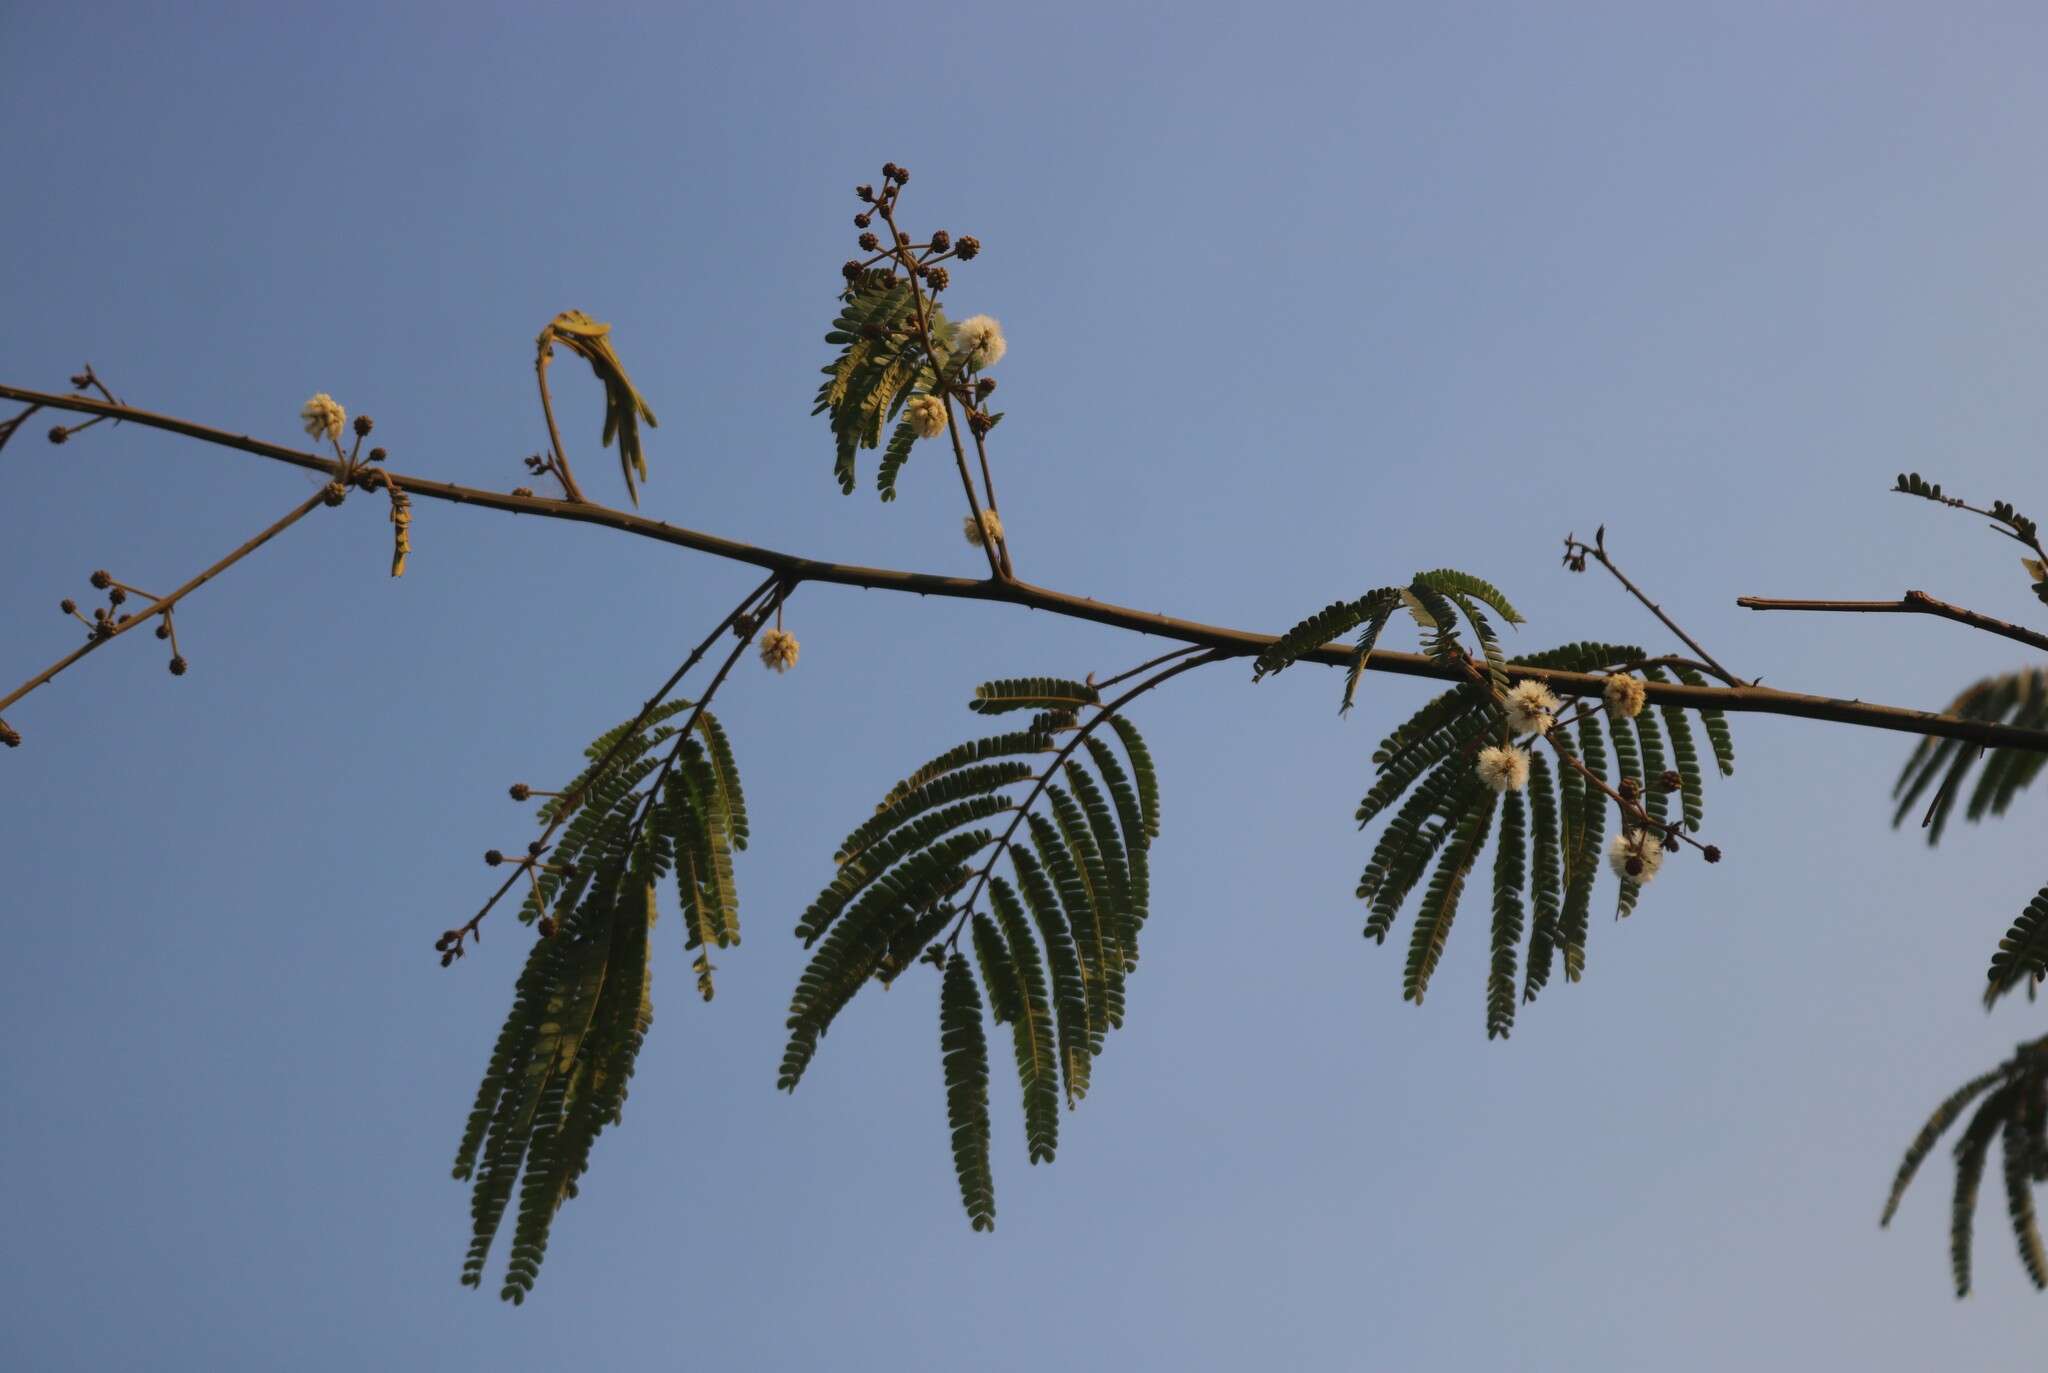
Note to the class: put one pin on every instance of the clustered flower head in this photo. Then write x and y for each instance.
(778, 649)
(990, 527)
(1532, 708)
(1504, 768)
(324, 417)
(1636, 856)
(927, 416)
(981, 339)
(1625, 696)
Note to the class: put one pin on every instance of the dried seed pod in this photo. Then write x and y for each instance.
(492, 858)
(177, 666)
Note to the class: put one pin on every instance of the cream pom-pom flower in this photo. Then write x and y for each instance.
(991, 527)
(778, 650)
(1532, 708)
(1640, 847)
(1625, 696)
(1504, 768)
(323, 417)
(981, 340)
(927, 416)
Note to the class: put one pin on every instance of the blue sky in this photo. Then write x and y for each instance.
(1300, 299)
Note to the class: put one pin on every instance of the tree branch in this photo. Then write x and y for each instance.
(1230, 642)
(1912, 603)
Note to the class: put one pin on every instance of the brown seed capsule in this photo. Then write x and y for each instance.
(968, 246)
(535, 848)
(364, 424)
(81, 380)
(1628, 789)
(522, 491)
(178, 666)
(547, 927)
(1672, 780)
(9, 737)
(68, 606)
(978, 422)
(335, 494)
(1671, 843)
(941, 240)
(102, 579)
(1711, 853)
(446, 959)
(938, 277)
(117, 596)
(983, 387)
(163, 630)
(864, 192)
(1634, 867)
(902, 175)
(59, 433)
(868, 243)
(890, 171)
(378, 455)
(520, 791)
(850, 269)
(492, 858)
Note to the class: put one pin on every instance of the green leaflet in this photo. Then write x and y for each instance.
(940, 791)
(2022, 956)
(966, 1068)
(1077, 1046)
(998, 972)
(1440, 902)
(858, 942)
(1716, 722)
(1585, 855)
(1451, 582)
(1547, 889)
(2019, 1200)
(1971, 1151)
(2016, 698)
(1508, 872)
(1937, 1125)
(1038, 1072)
(1032, 693)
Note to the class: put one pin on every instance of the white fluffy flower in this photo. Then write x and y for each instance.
(981, 340)
(1625, 696)
(991, 527)
(323, 416)
(1504, 768)
(778, 650)
(1531, 708)
(1642, 847)
(927, 416)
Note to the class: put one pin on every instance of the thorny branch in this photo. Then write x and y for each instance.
(1912, 603)
(1231, 642)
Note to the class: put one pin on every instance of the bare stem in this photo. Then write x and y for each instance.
(1598, 548)
(542, 358)
(1912, 603)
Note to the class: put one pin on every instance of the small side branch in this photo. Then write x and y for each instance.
(1575, 554)
(1912, 603)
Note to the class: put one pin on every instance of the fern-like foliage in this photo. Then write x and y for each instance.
(624, 408)
(1936, 776)
(1070, 804)
(1549, 842)
(2012, 1110)
(1438, 601)
(881, 363)
(2016, 698)
(583, 1003)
